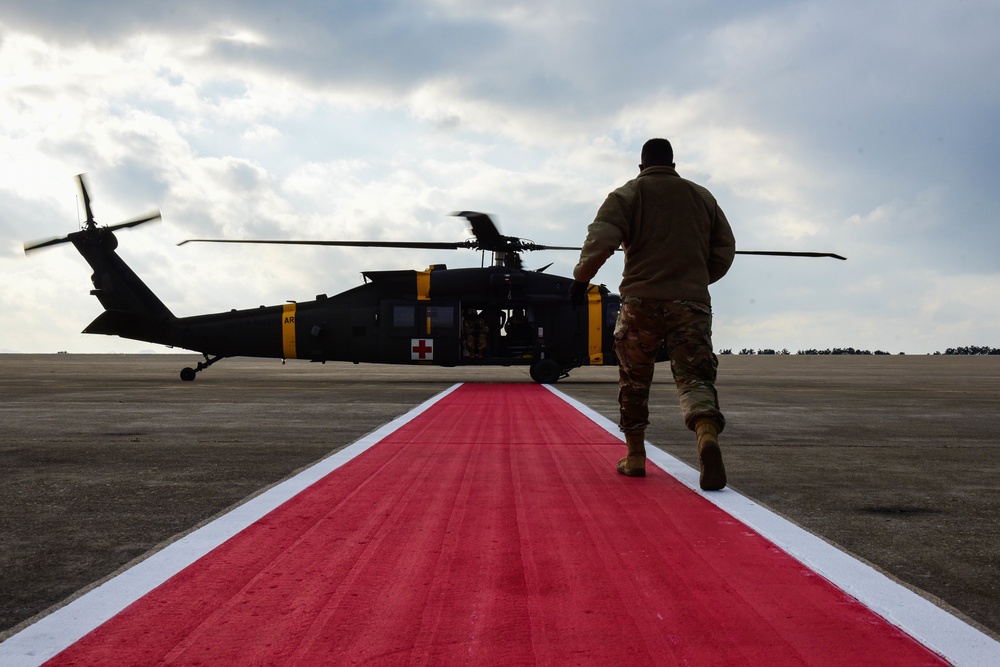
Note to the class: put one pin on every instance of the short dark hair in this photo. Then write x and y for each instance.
(657, 153)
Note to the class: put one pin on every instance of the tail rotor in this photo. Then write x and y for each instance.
(91, 230)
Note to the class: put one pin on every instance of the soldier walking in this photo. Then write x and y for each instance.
(677, 242)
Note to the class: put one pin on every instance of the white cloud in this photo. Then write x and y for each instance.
(864, 129)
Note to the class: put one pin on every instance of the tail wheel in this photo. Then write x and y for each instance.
(188, 374)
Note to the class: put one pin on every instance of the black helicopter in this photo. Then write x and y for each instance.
(502, 314)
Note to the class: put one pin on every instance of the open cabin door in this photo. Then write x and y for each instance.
(492, 334)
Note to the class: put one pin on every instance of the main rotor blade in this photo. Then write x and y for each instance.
(782, 253)
(484, 229)
(775, 253)
(426, 245)
(538, 246)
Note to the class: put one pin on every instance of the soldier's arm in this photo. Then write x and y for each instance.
(722, 250)
(604, 235)
(722, 244)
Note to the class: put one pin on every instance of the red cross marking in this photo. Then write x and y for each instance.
(422, 349)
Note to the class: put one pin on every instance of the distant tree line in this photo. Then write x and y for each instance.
(972, 350)
(843, 350)
(836, 350)
(968, 350)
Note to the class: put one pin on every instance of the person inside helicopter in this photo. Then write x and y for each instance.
(476, 331)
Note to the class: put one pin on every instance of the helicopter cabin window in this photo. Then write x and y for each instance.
(423, 320)
(440, 319)
(404, 317)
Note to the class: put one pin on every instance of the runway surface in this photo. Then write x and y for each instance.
(107, 457)
(485, 530)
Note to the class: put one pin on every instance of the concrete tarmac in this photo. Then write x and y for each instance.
(105, 458)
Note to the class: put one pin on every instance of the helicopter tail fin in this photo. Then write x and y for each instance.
(131, 309)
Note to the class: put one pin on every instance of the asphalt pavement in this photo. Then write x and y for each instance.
(106, 458)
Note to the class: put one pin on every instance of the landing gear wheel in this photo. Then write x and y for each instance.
(545, 371)
(189, 374)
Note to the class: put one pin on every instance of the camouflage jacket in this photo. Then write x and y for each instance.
(677, 240)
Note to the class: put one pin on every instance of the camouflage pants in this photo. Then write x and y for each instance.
(686, 328)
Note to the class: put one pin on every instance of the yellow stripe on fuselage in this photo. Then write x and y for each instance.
(288, 331)
(424, 285)
(595, 326)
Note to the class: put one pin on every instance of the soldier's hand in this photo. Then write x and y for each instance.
(578, 293)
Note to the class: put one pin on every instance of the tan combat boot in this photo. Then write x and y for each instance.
(634, 464)
(713, 472)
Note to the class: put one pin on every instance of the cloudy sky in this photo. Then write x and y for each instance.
(870, 129)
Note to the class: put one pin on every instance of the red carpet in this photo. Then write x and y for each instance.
(492, 530)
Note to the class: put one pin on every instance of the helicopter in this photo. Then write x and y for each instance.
(502, 314)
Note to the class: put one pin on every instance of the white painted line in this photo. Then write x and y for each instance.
(56, 632)
(948, 636)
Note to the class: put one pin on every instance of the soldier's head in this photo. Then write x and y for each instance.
(657, 153)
